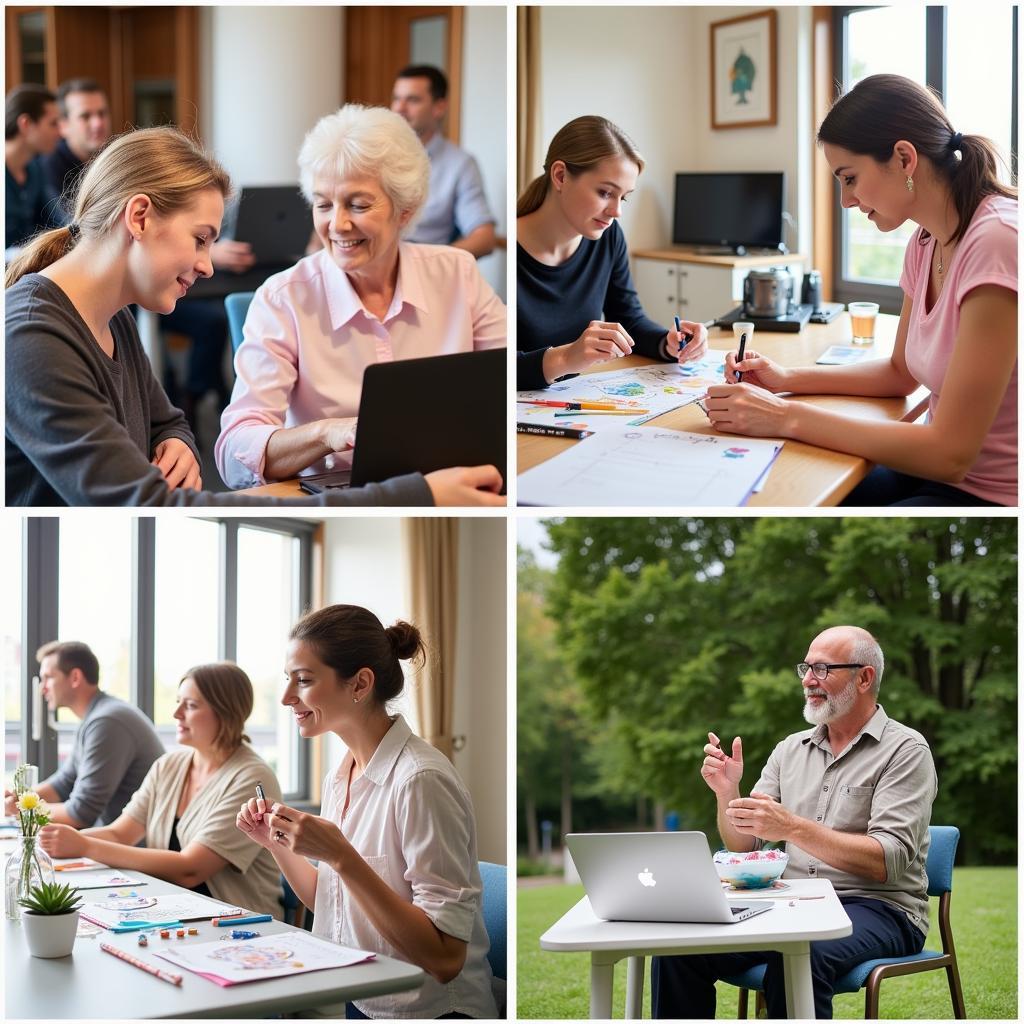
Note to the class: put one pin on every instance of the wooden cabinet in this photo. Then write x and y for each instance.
(693, 286)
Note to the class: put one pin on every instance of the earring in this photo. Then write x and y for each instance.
(355, 700)
(910, 183)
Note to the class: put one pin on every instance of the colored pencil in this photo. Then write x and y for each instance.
(572, 405)
(251, 919)
(173, 979)
(604, 412)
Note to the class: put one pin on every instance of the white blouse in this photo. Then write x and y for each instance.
(411, 819)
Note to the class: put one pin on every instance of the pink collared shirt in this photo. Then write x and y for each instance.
(308, 340)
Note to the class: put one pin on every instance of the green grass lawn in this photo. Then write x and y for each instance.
(984, 913)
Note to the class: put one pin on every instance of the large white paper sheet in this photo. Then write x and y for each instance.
(648, 466)
(658, 389)
(172, 907)
(269, 956)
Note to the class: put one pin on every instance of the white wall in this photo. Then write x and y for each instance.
(267, 74)
(786, 146)
(633, 66)
(657, 88)
(365, 564)
(482, 130)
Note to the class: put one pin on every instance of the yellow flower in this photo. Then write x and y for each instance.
(28, 801)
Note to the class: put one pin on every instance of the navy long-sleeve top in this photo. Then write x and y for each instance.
(555, 304)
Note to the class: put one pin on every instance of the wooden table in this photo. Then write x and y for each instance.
(803, 474)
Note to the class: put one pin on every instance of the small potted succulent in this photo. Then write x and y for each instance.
(51, 919)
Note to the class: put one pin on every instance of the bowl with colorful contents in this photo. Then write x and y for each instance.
(758, 869)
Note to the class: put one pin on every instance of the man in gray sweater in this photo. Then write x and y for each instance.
(114, 747)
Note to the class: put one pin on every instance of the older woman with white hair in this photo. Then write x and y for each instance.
(365, 297)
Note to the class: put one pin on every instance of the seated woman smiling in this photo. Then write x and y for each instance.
(365, 297)
(185, 808)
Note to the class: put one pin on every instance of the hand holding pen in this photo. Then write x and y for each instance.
(688, 341)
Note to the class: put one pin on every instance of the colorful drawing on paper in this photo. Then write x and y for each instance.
(736, 453)
(255, 958)
(625, 389)
(125, 904)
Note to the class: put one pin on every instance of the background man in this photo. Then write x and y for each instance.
(456, 211)
(114, 746)
(84, 128)
(31, 131)
(852, 800)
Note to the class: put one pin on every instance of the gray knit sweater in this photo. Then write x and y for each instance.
(81, 427)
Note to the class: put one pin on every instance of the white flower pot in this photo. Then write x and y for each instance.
(50, 935)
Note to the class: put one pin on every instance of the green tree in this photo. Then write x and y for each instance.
(674, 627)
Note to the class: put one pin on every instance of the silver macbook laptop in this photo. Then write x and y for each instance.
(655, 876)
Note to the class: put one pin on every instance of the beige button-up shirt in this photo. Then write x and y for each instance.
(882, 785)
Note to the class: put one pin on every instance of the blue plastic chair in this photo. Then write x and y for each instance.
(237, 305)
(495, 911)
(870, 974)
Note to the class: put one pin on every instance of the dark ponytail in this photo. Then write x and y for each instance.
(882, 109)
(347, 638)
(581, 144)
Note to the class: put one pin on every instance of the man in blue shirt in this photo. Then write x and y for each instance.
(85, 128)
(456, 211)
(30, 131)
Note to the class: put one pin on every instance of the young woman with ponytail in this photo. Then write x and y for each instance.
(897, 157)
(87, 423)
(394, 847)
(576, 302)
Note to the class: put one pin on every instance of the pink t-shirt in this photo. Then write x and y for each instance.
(987, 254)
(308, 340)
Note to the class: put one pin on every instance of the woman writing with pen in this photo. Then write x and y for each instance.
(576, 302)
(185, 808)
(395, 842)
(898, 158)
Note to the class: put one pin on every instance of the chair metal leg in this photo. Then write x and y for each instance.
(741, 1010)
(871, 997)
(956, 992)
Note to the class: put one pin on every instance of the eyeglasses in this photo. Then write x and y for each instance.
(819, 669)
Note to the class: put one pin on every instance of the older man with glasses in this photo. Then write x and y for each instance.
(851, 798)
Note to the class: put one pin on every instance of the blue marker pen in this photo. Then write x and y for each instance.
(686, 338)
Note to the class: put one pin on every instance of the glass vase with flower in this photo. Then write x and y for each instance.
(29, 865)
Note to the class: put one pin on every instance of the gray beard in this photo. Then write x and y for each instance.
(833, 708)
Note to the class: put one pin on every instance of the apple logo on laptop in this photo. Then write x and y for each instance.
(646, 879)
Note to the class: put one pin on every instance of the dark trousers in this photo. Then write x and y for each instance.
(884, 486)
(206, 323)
(684, 986)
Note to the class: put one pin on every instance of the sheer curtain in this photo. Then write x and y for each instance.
(432, 549)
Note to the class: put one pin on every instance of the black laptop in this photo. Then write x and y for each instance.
(418, 415)
(275, 220)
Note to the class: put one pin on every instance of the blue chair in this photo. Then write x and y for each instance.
(294, 908)
(237, 305)
(495, 911)
(870, 974)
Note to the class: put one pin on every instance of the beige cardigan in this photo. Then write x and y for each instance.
(251, 878)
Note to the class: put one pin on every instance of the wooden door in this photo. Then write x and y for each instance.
(380, 41)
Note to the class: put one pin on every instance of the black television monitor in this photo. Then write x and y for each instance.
(739, 210)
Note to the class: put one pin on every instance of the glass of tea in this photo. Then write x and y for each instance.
(862, 320)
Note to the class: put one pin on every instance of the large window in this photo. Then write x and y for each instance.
(943, 48)
(10, 637)
(153, 598)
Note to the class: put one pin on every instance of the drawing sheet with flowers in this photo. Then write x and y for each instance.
(234, 962)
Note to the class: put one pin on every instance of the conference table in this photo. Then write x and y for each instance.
(808, 911)
(94, 984)
(803, 474)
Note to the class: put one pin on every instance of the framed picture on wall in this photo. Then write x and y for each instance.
(743, 71)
